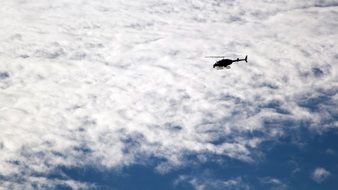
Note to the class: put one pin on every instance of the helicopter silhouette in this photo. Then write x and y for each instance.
(225, 63)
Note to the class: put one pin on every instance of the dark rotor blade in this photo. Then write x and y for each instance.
(214, 56)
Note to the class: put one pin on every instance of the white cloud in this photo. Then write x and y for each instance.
(208, 182)
(32, 183)
(274, 183)
(320, 174)
(103, 82)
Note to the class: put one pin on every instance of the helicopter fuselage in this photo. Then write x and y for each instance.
(223, 63)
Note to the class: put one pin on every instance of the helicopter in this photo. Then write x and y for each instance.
(225, 63)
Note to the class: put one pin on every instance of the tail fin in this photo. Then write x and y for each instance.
(246, 59)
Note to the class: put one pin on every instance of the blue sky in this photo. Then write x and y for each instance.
(290, 159)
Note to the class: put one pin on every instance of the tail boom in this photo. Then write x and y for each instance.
(245, 59)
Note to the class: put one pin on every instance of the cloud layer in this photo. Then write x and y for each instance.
(113, 83)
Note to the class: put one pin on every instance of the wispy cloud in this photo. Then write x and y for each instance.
(320, 174)
(208, 182)
(274, 183)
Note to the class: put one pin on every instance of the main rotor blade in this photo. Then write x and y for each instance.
(214, 56)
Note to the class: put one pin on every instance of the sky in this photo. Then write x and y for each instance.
(113, 94)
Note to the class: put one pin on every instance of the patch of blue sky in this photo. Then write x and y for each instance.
(290, 160)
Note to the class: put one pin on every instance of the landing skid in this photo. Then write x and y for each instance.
(221, 68)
